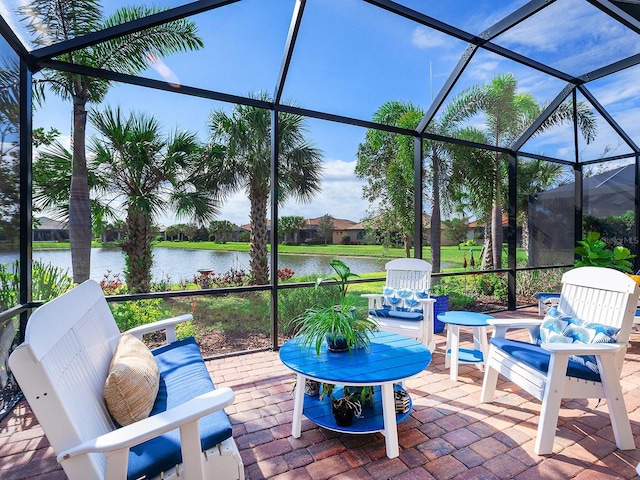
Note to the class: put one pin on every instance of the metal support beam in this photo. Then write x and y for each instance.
(294, 28)
(511, 233)
(154, 84)
(610, 120)
(577, 214)
(617, 14)
(133, 26)
(452, 31)
(417, 196)
(12, 39)
(26, 183)
(636, 217)
(496, 29)
(555, 103)
(447, 87)
(520, 15)
(578, 176)
(273, 234)
(614, 67)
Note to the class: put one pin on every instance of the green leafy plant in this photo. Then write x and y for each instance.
(48, 282)
(334, 323)
(594, 252)
(342, 276)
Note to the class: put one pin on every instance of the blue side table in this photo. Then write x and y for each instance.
(390, 359)
(454, 354)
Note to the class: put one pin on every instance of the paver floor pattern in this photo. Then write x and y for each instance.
(449, 435)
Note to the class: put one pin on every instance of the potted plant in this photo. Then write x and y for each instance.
(345, 408)
(338, 323)
(594, 252)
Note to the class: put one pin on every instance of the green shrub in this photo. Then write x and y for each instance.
(492, 285)
(48, 282)
(460, 301)
(138, 312)
(292, 302)
(185, 329)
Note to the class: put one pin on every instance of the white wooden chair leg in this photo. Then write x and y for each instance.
(616, 405)
(489, 381)
(551, 400)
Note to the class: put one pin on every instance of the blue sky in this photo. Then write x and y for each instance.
(350, 58)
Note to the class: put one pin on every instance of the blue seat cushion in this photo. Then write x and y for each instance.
(399, 314)
(538, 358)
(183, 376)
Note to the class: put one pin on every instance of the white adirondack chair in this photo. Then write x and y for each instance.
(594, 294)
(61, 368)
(405, 306)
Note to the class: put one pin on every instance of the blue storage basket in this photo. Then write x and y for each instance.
(441, 306)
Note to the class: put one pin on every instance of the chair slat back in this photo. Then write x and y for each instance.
(601, 295)
(62, 375)
(409, 273)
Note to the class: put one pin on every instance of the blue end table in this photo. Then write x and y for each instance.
(454, 354)
(390, 359)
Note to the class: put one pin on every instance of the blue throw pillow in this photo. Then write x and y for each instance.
(552, 327)
(559, 328)
(390, 299)
(413, 303)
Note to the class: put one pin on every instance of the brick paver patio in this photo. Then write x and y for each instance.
(448, 435)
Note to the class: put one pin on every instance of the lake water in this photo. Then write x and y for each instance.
(181, 264)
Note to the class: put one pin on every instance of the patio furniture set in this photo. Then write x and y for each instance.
(72, 344)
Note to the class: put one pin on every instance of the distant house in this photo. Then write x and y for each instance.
(48, 230)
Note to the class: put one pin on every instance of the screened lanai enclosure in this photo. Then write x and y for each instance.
(369, 121)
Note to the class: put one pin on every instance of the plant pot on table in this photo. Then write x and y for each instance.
(344, 410)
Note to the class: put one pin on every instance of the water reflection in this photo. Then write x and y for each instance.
(182, 264)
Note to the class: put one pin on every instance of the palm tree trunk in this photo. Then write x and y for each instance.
(79, 204)
(487, 248)
(496, 216)
(407, 244)
(436, 220)
(525, 234)
(258, 261)
(137, 248)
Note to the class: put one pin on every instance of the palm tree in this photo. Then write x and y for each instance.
(130, 54)
(507, 114)
(386, 160)
(9, 159)
(147, 172)
(240, 159)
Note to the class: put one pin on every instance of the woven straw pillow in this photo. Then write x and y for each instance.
(132, 384)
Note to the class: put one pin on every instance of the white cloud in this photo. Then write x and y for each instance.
(424, 38)
(340, 197)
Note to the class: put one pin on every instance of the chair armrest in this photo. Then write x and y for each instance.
(501, 325)
(151, 427)
(514, 322)
(375, 300)
(168, 324)
(582, 348)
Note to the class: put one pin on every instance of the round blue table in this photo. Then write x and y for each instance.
(391, 358)
(454, 354)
